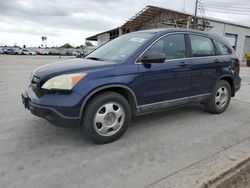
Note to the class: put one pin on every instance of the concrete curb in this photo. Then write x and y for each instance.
(238, 176)
(207, 172)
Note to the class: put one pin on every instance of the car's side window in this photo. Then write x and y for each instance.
(201, 46)
(224, 49)
(156, 48)
(172, 46)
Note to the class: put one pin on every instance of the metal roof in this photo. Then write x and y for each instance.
(94, 37)
(141, 17)
(147, 14)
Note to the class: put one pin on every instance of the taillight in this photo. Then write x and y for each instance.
(237, 63)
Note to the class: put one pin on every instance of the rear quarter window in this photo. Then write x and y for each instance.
(224, 50)
(201, 46)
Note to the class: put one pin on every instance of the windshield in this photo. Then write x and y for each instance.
(120, 48)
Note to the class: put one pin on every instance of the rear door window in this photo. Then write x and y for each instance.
(224, 49)
(201, 46)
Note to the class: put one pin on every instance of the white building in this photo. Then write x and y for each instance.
(156, 17)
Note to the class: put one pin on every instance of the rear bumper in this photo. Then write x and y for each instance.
(50, 114)
(238, 85)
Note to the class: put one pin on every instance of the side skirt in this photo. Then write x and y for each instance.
(149, 108)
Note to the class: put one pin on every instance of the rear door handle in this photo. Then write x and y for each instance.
(183, 64)
(216, 61)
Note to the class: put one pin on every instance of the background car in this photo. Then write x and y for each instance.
(79, 53)
(10, 51)
(26, 52)
(53, 51)
(41, 51)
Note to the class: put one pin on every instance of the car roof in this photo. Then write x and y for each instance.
(191, 31)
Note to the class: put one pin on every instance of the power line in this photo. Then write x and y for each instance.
(226, 11)
(230, 10)
(228, 2)
(201, 8)
(223, 8)
(231, 4)
(227, 7)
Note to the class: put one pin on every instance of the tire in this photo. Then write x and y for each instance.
(220, 98)
(106, 118)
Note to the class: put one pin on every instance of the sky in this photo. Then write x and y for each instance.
(23, 22)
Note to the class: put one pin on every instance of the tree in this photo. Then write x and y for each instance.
(81, 46)
(44, 38)
(67, 45)
(87, 43)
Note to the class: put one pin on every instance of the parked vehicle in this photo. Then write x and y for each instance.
(134, 74)
(69, 52)
(89, 49)
(54, 52)
(26, 52)
(79, 53)
(10, 51)
(42, 51)
(247, 56)
(1, 51)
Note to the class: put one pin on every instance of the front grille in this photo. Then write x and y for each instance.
(34, 84)
(39, 92)
(34, 79)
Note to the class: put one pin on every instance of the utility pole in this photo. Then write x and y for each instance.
(195, 14)
(184, 5)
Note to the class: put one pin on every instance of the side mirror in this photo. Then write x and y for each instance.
(153, 58)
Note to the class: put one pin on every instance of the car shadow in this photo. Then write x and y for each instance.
(43, 133)
(168, 114)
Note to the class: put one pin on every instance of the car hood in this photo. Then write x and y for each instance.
(69, 66)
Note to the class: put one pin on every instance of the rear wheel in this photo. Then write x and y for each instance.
(220, 98)
(106, 118)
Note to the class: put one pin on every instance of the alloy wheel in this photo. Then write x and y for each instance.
(109, 118)
(221, 97)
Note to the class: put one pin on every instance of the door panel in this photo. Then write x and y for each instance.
(204, 63)
(162, 82)
(203, 73)
(166, 81)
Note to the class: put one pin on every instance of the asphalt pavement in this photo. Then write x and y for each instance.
(157, 147)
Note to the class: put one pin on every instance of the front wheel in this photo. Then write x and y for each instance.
(106, 118)
(220, 97)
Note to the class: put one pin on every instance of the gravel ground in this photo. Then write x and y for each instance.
(33, 153)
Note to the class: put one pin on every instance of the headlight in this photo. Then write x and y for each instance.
(65, 82)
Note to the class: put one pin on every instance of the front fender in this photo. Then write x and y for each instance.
(105, 87)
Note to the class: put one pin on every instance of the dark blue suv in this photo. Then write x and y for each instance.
(136, 73)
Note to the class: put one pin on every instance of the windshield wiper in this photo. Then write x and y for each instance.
(94, 58)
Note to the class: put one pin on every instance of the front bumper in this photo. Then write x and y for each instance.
(50, 114)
